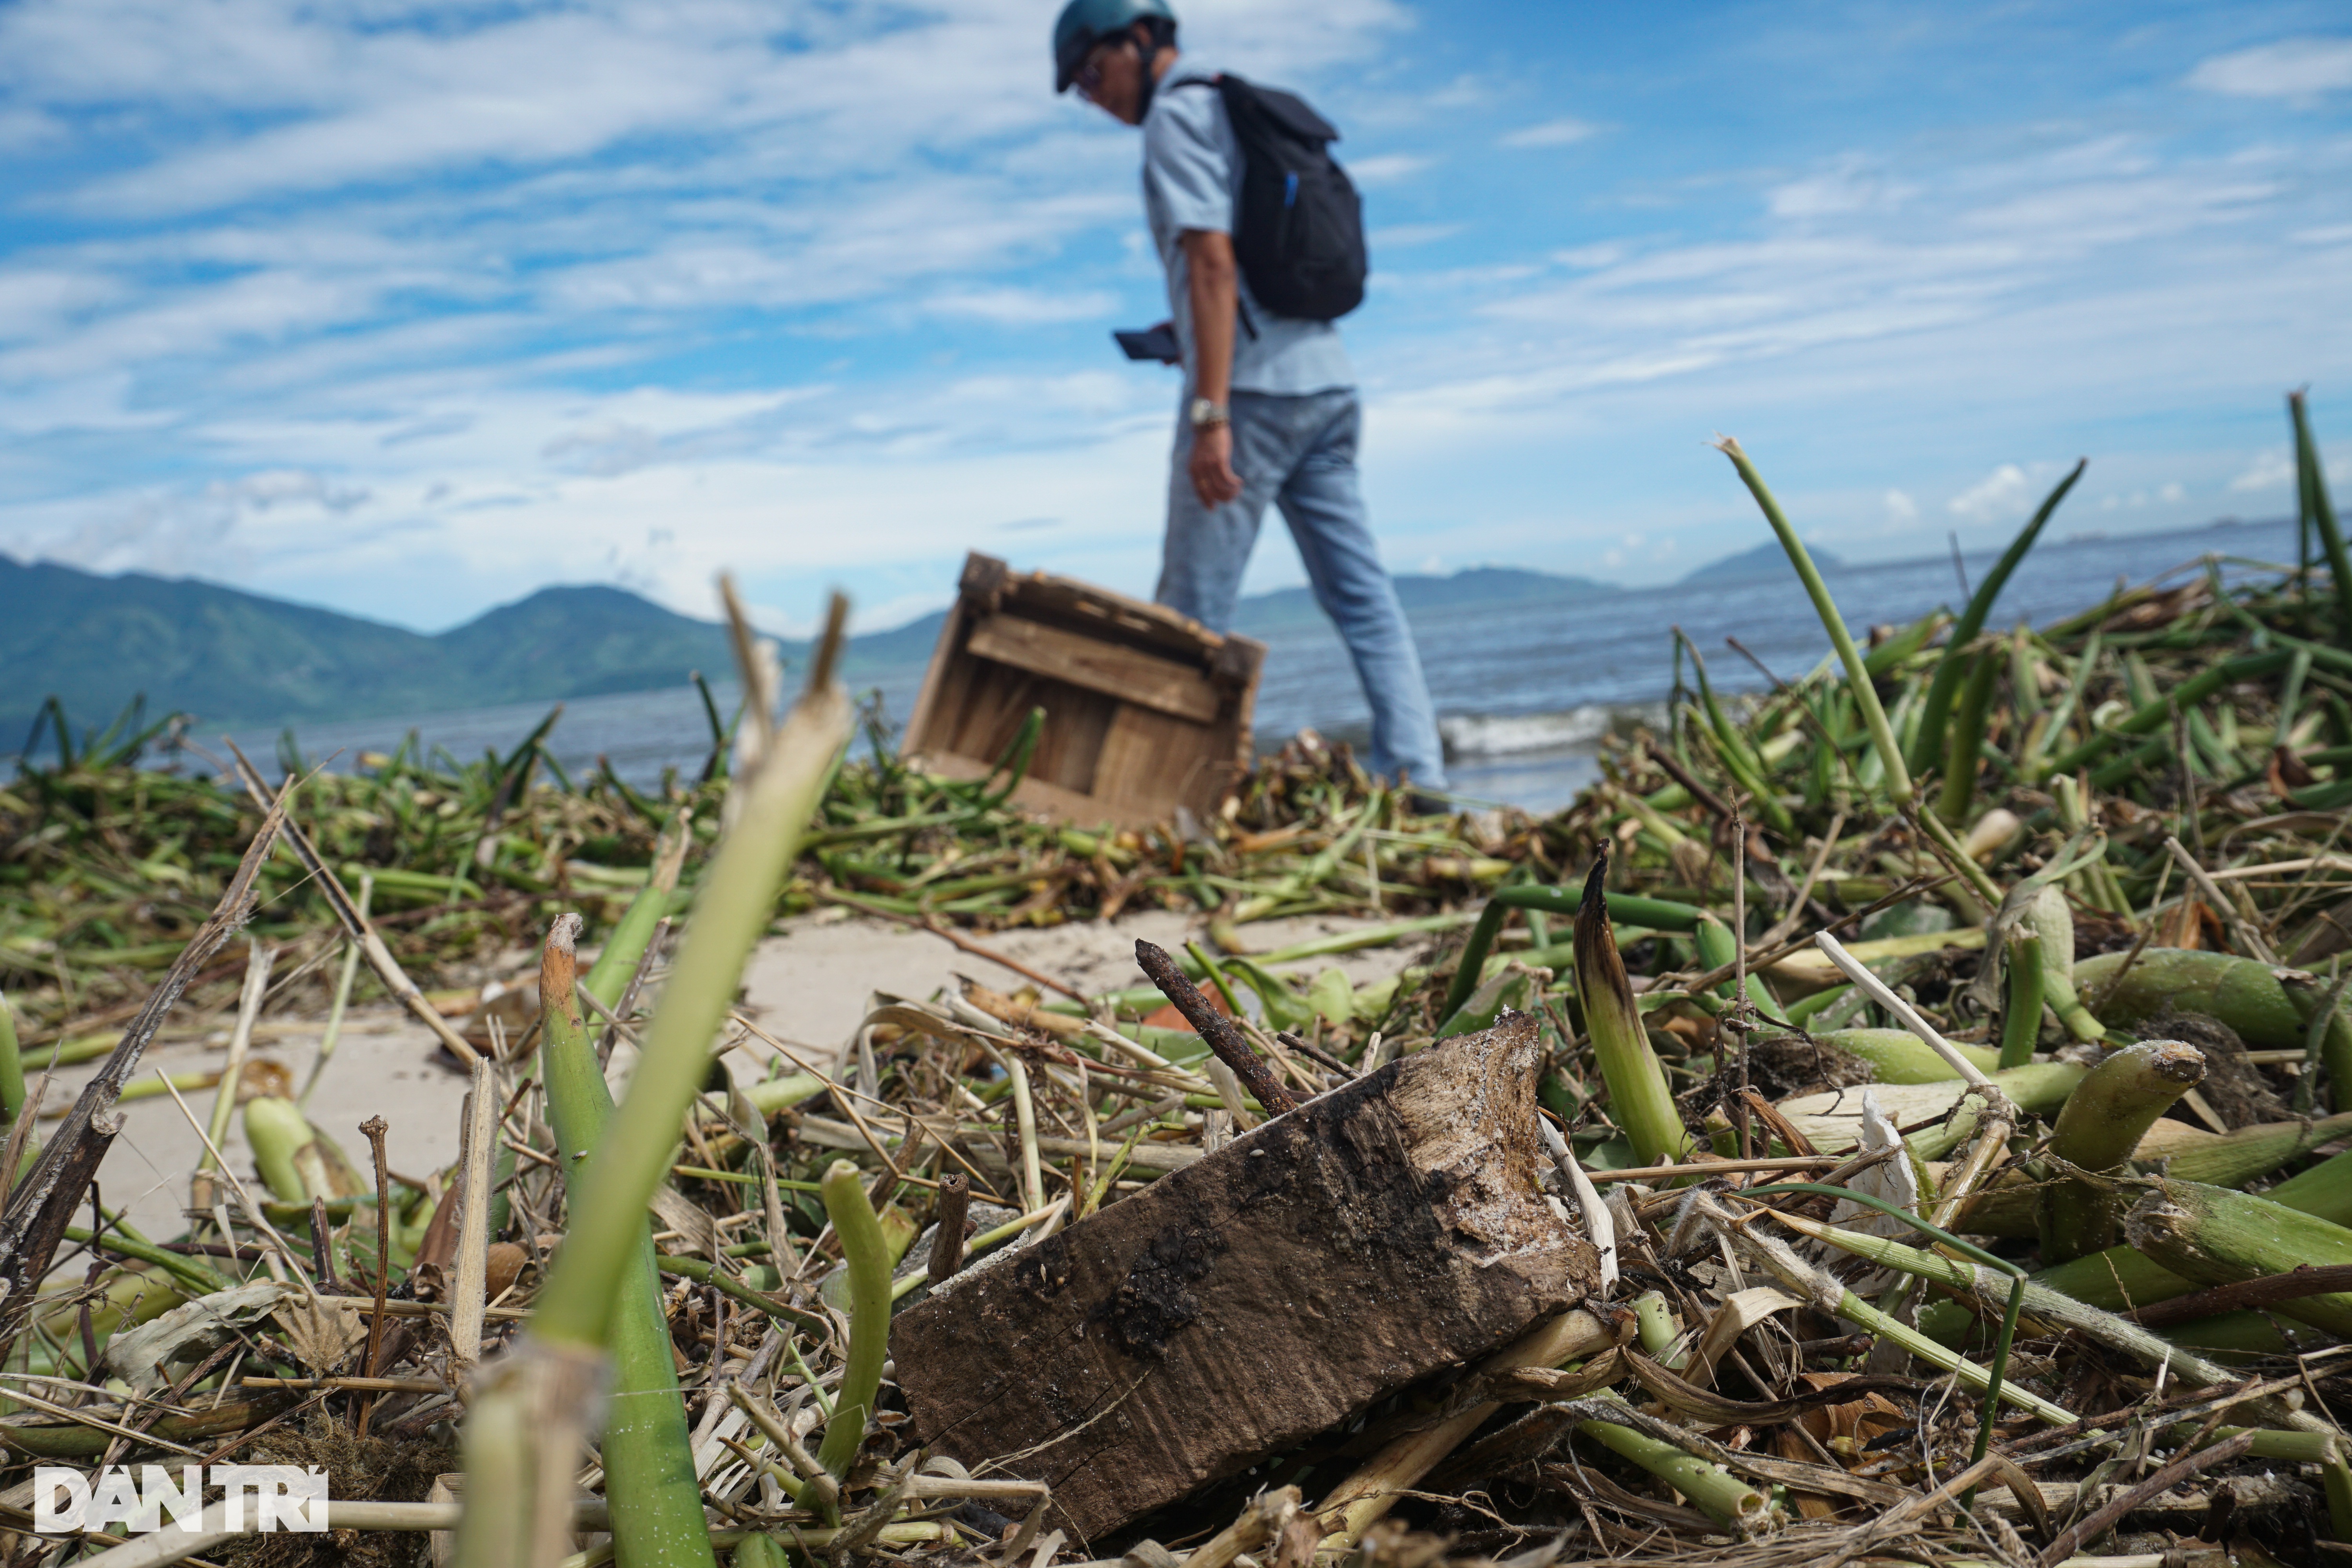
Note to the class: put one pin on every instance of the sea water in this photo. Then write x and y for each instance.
(1523, 692)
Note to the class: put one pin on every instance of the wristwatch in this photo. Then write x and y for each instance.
(1205, 414)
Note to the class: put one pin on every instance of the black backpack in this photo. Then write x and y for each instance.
(1298, 230)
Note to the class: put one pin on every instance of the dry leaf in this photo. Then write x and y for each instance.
(190, 1332)
(321, 1337)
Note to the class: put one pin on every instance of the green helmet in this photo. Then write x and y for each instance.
(1083, 24)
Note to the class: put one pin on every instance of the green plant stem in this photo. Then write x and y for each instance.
(350, 973)
(2005, 1288)
(2314, 473)
(2211, 1235)
(2054, 923)
(646, 1448)
(2100, 1124)
(2155, 715)
(275, 1128)
(1656, 1322)
(1657, 914)
(12, 1069)
(1965, 752)
(868, 1256)
(2021, 1017)
(1998, 1265)
(1723, 1496)
(1716, 949)
(1898, 1055)
(189, 1271)
(609, 975)
(1639, 1100)
(1971, 622)
(1866, 695)
(737, 898)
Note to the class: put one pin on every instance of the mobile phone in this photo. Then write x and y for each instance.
(1151, 343)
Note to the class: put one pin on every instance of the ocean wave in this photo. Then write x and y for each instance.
(1514, 734)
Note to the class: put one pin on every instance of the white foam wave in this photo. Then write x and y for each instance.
(1510, 734)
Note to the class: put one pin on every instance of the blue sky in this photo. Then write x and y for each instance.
(408, 306)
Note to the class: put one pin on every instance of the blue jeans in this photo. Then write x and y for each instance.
(1300, 454)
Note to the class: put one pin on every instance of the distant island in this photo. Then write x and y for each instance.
(1765, 557)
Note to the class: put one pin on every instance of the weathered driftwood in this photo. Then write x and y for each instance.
(1387, 1230)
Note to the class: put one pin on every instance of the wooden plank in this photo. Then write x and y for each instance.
(1045, 597)
(1150, 762)
(936, 679)
(1128, 674)
(1386, 1231)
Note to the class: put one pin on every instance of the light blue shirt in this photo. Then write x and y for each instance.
(1193, 180)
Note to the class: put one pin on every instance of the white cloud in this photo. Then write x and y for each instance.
(1584, 258)
(1398, 237)
(1386, 168)
(2291, 68)
(2004, 493)
(1849, 187)
(1549, 134)
(2270, 471)
(1900, 508)
(1011, 306)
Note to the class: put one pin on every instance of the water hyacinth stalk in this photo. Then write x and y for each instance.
(646, 1448)
(2219, 1160)
(2157, 715)
(556, 1361)
(2243, 992)
(1945, 683)
(1657, 914)
(609, 975)
(1717, 948)
(1639, 1100)
(1964, 752)
(1866, 695)
(2098, 1129)
(2312, 476)
(2002, 1288)
(258, 958)
(1748, 769)
(2211, 1236)
(867, 1254)
(342, 998)
(2021, 1016)
(1898, 1055)
(735, 904)
(1723, 1496)
(277, 1131)
(2122, 1277)
(12, 1068)
(2050, 920)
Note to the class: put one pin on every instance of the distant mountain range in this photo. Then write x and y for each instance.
(1766, 557)
(230, 657)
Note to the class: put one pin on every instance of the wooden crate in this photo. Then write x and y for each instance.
(1145, 710)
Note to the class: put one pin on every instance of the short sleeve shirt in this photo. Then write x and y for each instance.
(1192, 179)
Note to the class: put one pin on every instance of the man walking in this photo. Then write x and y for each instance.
(1270, 411)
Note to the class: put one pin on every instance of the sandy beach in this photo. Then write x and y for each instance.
(808, 986)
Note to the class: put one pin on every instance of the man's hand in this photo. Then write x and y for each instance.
(1213, 480)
